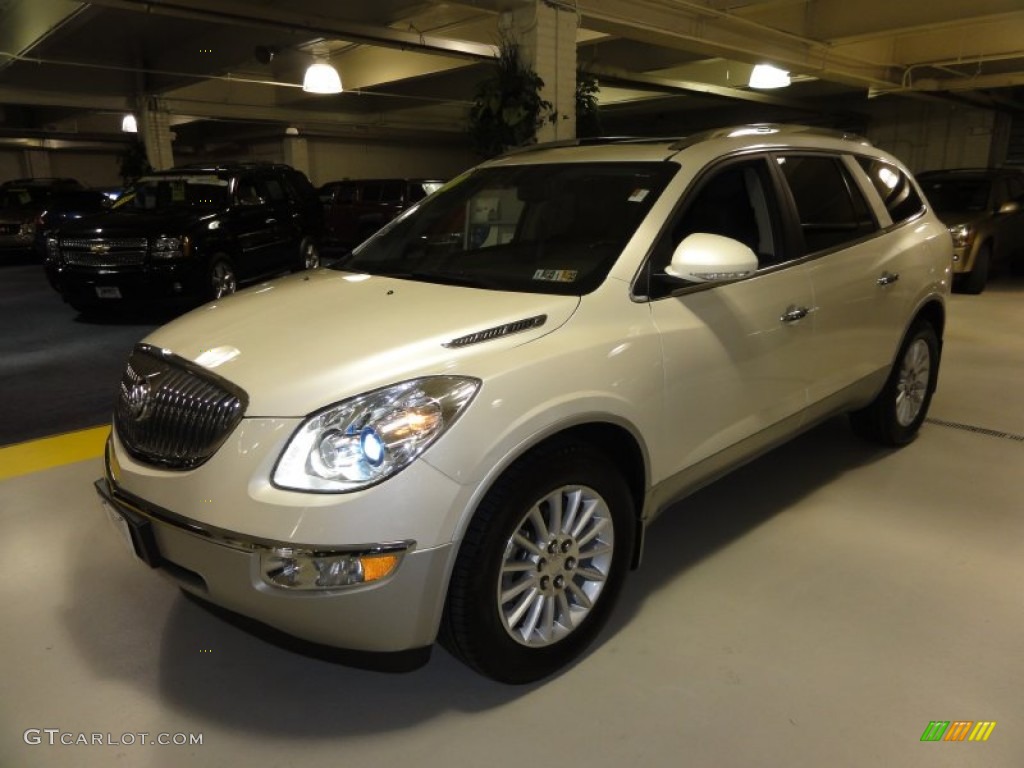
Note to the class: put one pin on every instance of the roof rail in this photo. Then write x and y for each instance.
(769, 129)
(589, 141)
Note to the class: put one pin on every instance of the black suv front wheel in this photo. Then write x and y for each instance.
(221, 279)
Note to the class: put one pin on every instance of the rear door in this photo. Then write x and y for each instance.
(861, 268)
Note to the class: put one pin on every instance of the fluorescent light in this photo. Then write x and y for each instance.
(321, 77)
(767, 76)
(128, 124)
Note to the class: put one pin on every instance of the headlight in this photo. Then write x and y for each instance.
(52, 249)
(366, 439)
(961, 235)
(171, 247)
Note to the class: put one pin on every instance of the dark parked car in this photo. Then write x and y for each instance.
(192, 233)
(357, 208)
(22, 202)
(984, 211)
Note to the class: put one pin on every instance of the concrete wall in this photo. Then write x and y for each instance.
(94, 169)
(929, 134)
(344, 159)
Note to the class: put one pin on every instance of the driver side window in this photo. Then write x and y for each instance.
(737, 201)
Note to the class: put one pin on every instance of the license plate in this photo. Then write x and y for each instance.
(108, 292)
(121, 526)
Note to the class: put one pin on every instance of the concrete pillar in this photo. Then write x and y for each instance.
(547, 41)
(296, 154)
(37, 163)
(155, 130)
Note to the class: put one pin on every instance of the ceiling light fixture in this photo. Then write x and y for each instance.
(128, 124)
(321, 77)
(766, 76)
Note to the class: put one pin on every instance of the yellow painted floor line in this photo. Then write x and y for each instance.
(49, 452)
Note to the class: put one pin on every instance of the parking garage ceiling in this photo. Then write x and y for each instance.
(69, 70)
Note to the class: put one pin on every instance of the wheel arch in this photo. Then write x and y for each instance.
(615, 441)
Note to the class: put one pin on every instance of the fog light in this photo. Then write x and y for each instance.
(310, 570)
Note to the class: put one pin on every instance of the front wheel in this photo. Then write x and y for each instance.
(309, 256)
(541, 564)
(221, 280)
(894, 417)
(974, 282)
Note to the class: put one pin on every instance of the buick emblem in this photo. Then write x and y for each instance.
(139, 400)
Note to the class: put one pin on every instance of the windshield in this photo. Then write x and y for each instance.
(18, 197)
(955, 195)
(157, 193)
(532, 228)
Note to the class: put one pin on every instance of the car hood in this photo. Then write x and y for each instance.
(304, 342)
(136, 224)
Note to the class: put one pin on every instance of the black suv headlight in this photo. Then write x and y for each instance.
(165, 247)
(52, 249)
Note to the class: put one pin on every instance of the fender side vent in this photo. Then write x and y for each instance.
(498, 331)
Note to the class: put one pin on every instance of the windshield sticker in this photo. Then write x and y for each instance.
(639, 195)
(556, 275)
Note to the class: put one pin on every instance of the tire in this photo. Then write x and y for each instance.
(894, 417)
(309, 256)
(560, 585)
(974, 281)
(221, 279)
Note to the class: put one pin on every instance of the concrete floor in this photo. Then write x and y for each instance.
(817, 608)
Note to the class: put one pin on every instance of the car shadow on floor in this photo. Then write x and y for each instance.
(208, 670)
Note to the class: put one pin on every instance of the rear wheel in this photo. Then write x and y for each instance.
(895, 416)
(975, 280)
(541, 564)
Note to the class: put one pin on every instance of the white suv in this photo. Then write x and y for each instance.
(463, 429)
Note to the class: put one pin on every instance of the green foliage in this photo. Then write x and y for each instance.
(134, 162)
(507, 108)
(588, 115)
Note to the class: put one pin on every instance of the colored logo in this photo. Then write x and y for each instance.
(958, 730)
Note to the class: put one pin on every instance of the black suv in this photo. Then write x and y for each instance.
(190, 233)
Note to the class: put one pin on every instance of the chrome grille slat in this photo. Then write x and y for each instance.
(113, 251)
(174, 413)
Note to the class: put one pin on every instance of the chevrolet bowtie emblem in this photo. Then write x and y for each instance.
(99, 248)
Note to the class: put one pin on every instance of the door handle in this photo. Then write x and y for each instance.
(794, 314)
(888, 278)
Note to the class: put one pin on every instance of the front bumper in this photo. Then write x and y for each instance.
(165, 282)
(398, 615)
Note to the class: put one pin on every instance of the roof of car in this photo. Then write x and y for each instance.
(717, 140)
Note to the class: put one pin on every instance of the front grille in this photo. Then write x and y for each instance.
(104, 252)
(174, 413)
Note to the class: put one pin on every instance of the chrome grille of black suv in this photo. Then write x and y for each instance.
(104, 252)
(174, 413)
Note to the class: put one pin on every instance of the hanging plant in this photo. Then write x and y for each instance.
(133, 162)
(507, 108)
(588, 115)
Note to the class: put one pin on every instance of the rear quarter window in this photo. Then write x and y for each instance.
(894, 187)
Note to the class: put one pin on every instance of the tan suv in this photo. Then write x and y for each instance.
(463, 429)
(984, 211)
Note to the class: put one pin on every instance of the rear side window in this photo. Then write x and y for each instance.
(830, 206)
(894, 187)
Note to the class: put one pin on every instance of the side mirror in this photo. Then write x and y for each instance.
(1011, 206)
(706, 258)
